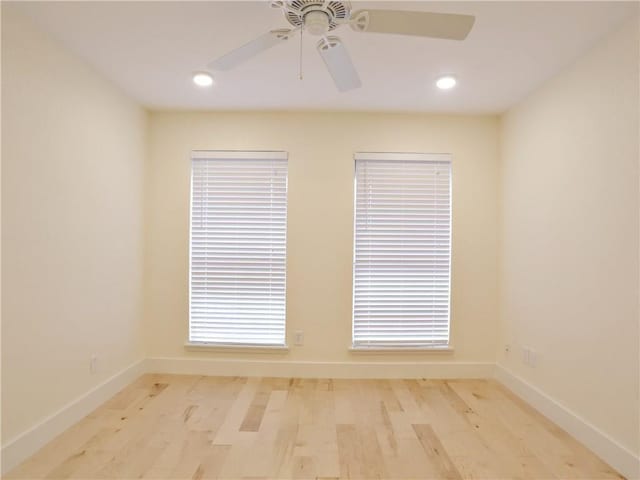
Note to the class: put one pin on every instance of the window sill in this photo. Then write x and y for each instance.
(381, 350)
(231, 348)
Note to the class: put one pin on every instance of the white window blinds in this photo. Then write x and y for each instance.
(238, 248)
(402, 252)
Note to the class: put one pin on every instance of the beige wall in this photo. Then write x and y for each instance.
(72, 176)
(320, 221)
(569, 237)
(72, 229)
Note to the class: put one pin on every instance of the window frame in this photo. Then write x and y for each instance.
(239, 155)
(390, 157)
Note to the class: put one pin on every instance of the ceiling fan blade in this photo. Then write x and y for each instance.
(339, 64)
(450, 26)
(251, 49)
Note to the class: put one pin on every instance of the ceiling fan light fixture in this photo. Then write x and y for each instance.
(446, 82)
(316, 22)
(202, 79)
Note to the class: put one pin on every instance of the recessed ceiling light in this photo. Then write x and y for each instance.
(202, 79)
(446, 82)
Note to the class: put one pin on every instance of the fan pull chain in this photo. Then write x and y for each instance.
(300, 64)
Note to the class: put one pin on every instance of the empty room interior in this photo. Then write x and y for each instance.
(320, 239)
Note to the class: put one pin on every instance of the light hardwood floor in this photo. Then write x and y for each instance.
(192, 427)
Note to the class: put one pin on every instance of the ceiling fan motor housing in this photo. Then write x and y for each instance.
(316, 16)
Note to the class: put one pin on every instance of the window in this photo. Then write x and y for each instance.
(402, 255)
(238, 248)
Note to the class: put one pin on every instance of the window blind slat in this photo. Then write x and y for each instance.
(402, 258)
(238, 248)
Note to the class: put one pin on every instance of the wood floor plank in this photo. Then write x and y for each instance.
(436, 452)
(253, 418)
(351, 461)
(195, 427)
(227, 432)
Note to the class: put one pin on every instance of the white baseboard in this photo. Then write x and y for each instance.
(26, 444)
(307, 369)
(29, 442)
(619, 457)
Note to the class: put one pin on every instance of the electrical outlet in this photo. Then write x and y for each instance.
(299, 338)
(507, 348)
(529, 357)
(93, 364)
(525, 355)
(533, 358)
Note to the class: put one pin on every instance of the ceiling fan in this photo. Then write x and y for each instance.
(319, 17)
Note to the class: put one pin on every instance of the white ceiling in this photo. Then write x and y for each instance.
(150, 50)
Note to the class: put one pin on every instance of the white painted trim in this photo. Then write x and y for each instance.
(403, 156)
(239, 155)
(306, 369)
(395, 350)
(27, 443)
(235, 348)
(616, 455)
